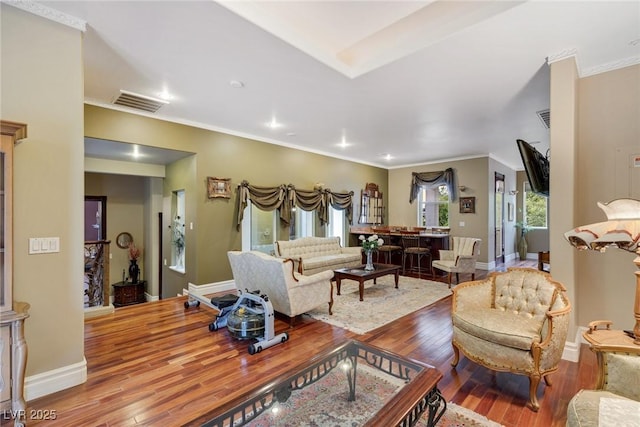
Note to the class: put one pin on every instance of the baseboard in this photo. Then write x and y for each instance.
(212, 288)
(103, 310)
(488, 266)
(39, 385)
(151, 298)
(571, 350)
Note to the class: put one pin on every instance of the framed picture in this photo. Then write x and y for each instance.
(218, 187)
(467, 205)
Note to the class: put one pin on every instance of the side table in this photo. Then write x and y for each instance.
(127, 293)
(607, 340)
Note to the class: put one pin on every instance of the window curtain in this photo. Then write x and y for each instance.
(341, 201)
(264, 198)
(309, 200)
(285, 197)
(430, 179)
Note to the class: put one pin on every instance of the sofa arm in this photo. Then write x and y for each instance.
(475, 294)
(447, 255)
(302, 280)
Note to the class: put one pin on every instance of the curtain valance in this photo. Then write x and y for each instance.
(423, 179)
(285, 197)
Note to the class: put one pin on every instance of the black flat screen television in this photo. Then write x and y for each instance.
(537, 167)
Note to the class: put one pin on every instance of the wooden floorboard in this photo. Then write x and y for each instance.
(158, 364)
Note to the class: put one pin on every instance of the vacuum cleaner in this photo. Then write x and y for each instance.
(248, 315)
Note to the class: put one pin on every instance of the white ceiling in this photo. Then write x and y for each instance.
(419, 81)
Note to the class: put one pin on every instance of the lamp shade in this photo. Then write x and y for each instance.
(621, 230)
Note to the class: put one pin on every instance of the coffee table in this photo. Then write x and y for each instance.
(268, 403)
(360, 275)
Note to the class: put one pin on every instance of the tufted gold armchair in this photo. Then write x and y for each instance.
(515, 321)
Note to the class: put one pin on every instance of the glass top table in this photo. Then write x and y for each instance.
(352, 384)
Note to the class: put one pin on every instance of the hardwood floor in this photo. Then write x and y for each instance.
(158, 364)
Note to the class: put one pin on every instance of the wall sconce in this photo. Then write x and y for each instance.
(513, 192)
(462, 188)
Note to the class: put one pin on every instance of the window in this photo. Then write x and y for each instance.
(259, 229)
(535, 208)
(178, 247)
(336, 227)
(433, 206)
(302, 224)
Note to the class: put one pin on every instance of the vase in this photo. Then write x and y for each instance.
(369, 265)
(523, 247)
(134, 271)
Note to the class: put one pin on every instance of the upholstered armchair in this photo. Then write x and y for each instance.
(617, 394)
(461, 258)
(515, 321)
(290, 292)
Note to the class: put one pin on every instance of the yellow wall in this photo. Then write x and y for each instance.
(609, 133)
(126, 198)
(42, 86)
(226, 156)
(477, 175)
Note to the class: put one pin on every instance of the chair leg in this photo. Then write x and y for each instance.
(457, 278)
(456, 355)
(449, 279)
(534, 380)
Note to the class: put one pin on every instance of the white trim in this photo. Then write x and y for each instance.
(571, 350)
(212, 288)
(488, 266)
(611, 66)
(49, 382)
(49, 13)
(151, 298)
(103, 310)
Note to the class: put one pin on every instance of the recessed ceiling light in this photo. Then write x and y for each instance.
(165, 95)
(236, 84)
(388, 156)
(343, 143)
(273, 124)
(136, 152)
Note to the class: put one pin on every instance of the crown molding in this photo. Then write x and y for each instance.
(48, 13)
(611, 66)
(567, 53)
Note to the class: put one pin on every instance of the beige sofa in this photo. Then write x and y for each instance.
(516, 321)
(290, 292)
(315, 254)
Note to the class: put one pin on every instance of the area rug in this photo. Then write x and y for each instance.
(324, 403)
(382, 304)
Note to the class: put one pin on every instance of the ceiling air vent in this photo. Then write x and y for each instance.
(139, 102)
(545, 116)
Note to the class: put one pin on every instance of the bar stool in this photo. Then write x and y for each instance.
(387, 248)
(411, 246)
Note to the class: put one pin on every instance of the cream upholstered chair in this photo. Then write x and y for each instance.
(461, 258)
(290, 292)
(515, 321)
(617, 391)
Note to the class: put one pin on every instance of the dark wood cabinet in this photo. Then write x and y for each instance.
(126, 293)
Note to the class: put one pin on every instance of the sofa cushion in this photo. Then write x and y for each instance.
(308, 247)
(500, 327)
(328, 262)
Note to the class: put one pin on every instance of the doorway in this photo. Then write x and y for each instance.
(95, 218)
(499, 218)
